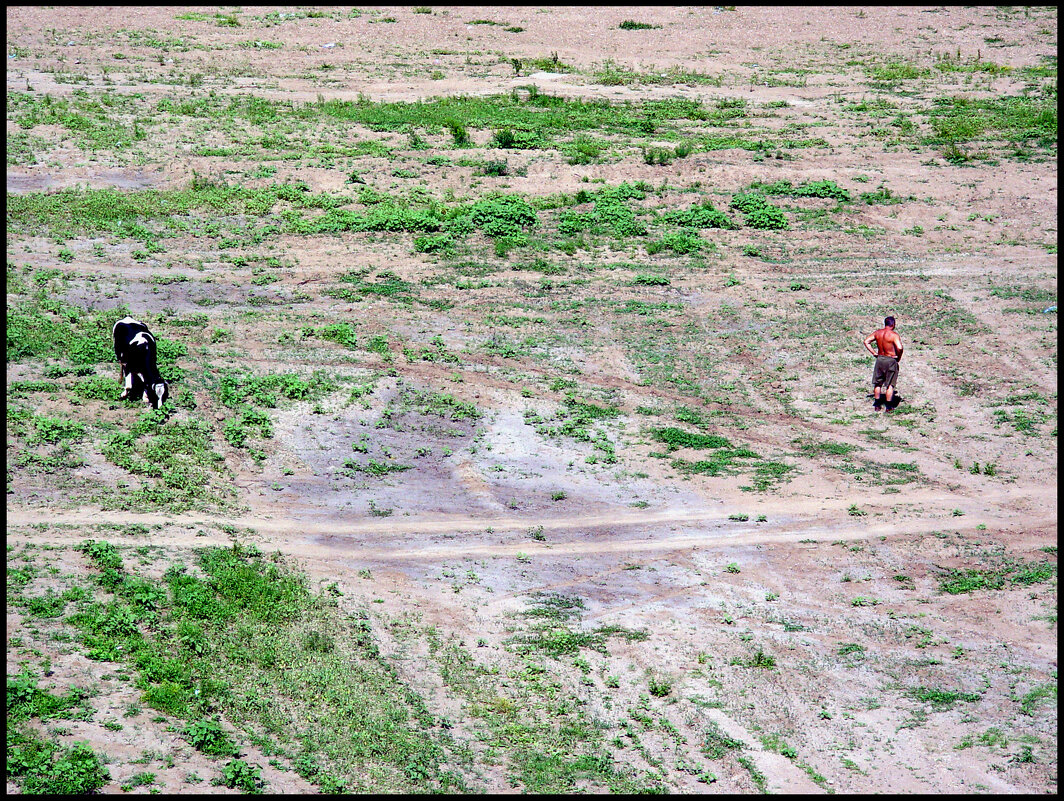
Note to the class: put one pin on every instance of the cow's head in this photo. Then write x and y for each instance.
(159, 393)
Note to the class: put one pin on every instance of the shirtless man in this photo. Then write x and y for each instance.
(889, 347)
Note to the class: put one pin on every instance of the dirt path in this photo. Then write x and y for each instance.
(802, 638)
(294, 536)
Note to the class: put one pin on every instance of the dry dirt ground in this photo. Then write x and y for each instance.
(795, 604)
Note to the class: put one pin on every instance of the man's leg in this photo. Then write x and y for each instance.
(891, 384)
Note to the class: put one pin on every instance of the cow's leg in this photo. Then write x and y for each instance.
(127, 381)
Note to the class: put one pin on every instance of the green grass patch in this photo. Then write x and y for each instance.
(550, 115)
(897, 70)
(207, 641)
(678, 438)
(554, 606)
(236, 388)
(80, 211)
(577, 419)
(439, 404)
(1015, 119)
(1011, 573)
(700, 215)
(941, 699)
(43, 767)
(41, 329)
(556, 640)
(825, 189)
(25, 700)
(95, 122)
(175, 461)
(1036, 696)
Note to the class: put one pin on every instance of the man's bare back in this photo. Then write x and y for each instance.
(888, 343)
(888, 354)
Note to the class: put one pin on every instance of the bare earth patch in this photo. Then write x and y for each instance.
(521, 436)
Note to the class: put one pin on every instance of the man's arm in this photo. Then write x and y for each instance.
(898, 346)
(868, 344)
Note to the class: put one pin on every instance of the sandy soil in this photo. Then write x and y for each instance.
(644, 547)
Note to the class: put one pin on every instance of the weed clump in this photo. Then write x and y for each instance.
(236, 388)
(459, 133)
(49, 329)
(554, 638)
(659, 688)
(957, 582)
(178, 454)
(758, 212)
(682, 241)
(208, 736)
(678, 438)
(701, 215)
(584, 150)
(767, 218)
(554, 606)
(49, 769)
(941, 699)
(511, 139)
(503, 216)
(825, 189)
(240, 775)
(610, 213)
(658, 155)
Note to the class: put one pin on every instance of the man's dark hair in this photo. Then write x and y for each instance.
(889, 322)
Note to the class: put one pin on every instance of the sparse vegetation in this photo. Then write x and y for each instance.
(538, 402)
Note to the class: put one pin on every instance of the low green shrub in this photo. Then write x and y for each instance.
(682, 241)
(701, 215)
(209, 737)
(240, 775)
(76, 770)
(678, 438)
(658, 155)
(767, 218)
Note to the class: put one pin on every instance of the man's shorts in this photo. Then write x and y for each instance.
(885, 373)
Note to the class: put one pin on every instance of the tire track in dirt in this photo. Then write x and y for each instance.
(978, 270)
(343, 539)
(437, 525)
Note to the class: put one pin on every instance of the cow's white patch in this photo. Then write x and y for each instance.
(142, 339)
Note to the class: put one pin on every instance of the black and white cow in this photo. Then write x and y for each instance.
(135, 349)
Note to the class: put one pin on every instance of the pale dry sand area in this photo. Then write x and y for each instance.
(521, 436)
